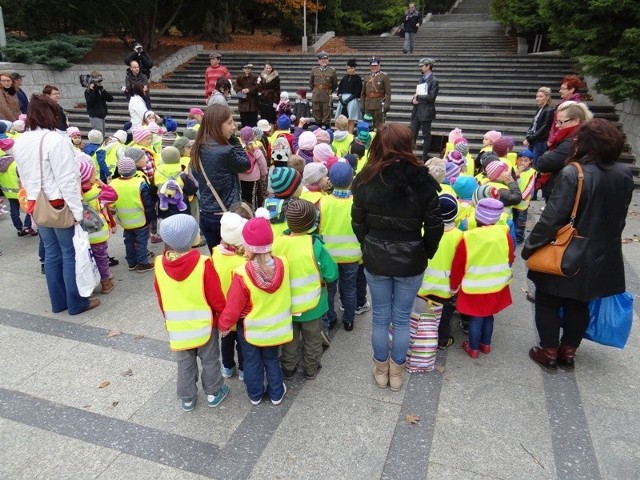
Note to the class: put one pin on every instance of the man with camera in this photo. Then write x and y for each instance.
(96, 97)
(142, 58)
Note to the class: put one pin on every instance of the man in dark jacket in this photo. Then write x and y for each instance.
(23, 100)
(97, 97)
(142, 58)
(410, 22)
(134, 75)
(424, 105)
(247, 85)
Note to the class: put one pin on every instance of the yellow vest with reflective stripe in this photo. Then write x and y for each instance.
(487, 269)
(446, 188)
(269, 322)
(304, 276)
(336, 229)
(313, 197)
(224, 266)
(165, 171)
(464, 209)
(436, 277)
(526, 177)
(112, 152)
(10, 182)
(473, 223)
(90, 197)
(341, 147)
(510, 159)
(129, 207)
(187, 314)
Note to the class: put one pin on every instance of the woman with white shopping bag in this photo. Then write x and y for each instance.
(50, 175)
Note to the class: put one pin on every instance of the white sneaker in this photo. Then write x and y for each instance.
(279, 401)
(363, 308)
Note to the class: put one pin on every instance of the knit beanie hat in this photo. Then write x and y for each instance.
(170, 155)
(4, 126)
(525, 153)
(284, 95)
(87, 170)
(452, 171)
(179, 232)
(257, 235)
(488, 211)
(341, 174)
(313, 173)
(283, 123)
(464, 186)
(448, 207)
(486, 158)
(153, 127)
(495, 169)
(307, 141)
(180, 143)
(510, 141)
(454, 134)
(322, 152)
(74, 131)
(231, 228)
(134, 153)
(437, 168)
(284, 181)
(456, 157)
(170, 124)
(301, 216)
(501, 147)
(258, 133)
(126, 166)
(352, 159)
(196, 111)
(364, 136)
(362, 125)
(190, 133)
(95, 136)
(322, 136)
(493, 135)
(484, 191)
(246, 134)
(461, 145)
(140, 134)
(6, 144)
(18, 126)
(358, 148)
(120, 135)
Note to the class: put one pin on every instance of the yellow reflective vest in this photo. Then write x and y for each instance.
(224, 266)
(487, 269)
(524, 181)
(304, 276)
(473, 223)
(336, 229)
(313, 197)
(165, 171)
(10, 182)
(129, 207)
(90, 197)
(268, 323)
(187, 314)
(113, 152)
(446, 188)
(436, 276)
(341, 147)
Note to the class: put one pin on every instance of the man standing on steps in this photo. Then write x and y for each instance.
(376, 94)
(323, 82)
(410, 22)
(213, 73)
(424, 105)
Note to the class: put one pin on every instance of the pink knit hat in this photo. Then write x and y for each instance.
(140, 133)
(153, 127)
(6, 144)
(87, 171)
(488, 211)
(307, 141)
(322, 152)
(257, 235)
(495, 169)
(322, 136)
(493, 135)
(195, 111)
(73, 131)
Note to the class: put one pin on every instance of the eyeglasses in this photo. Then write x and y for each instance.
(562, 122)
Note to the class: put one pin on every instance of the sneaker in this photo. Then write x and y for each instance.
(22, 232)
(363, 308)
(325, 339)
(464, 326)
(241, 375)
(215, 400)
(486, 349)
(30, 232)
(348, 326)
(256, 402)
(446, 344)
(227, 372)
(144, 267)
(288, 374)
(113, 262)
(188, 406)
(279, 401)
(132, 267)
(155, 238)
(470, 351)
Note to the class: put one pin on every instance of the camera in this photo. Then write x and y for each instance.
(87, 79)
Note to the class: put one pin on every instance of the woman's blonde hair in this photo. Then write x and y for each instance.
(547, 93)
(576, 110)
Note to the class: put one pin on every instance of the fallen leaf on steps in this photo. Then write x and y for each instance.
(439, 368)
(411, 419)
(104, 384)
(127, 373)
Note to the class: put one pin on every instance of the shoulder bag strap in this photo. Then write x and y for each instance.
(578, 193)
(213, 190)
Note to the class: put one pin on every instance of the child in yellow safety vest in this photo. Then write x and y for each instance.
(259, 301)
(341, 243)
(481, 274)
(311, 268)
(285, 183)
(191, 300)
(227, 256)
(341, 137)
(76, 138)
(526, 178)
(314, 182)
(10, 185)
(502, 148)
(96, 197)
(488, 140)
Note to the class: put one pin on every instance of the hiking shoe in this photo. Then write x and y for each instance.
(279, 401)
(288, 374)
(144, 267)
(215, 400)
(447, 344)
(113, 262)
(227, 372)
(241, 375)
(363, 308)
(464, 325)
(312, 374)
(188, 406)
(22, 232)
(348, 326)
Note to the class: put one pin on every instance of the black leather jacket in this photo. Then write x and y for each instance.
(396, 217)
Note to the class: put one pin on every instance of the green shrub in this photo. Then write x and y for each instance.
(59, 51)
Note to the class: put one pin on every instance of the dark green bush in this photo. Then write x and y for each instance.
(59, 51)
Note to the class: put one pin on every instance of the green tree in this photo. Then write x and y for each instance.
(520, 16)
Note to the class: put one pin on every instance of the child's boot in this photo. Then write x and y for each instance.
(381, 372)
(396, 375)
(107, 285)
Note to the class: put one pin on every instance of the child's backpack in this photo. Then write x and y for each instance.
(92, 220)
(280, 150)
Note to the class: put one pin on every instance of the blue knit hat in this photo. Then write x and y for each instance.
(526, 153)
(285, 181)
(464, 187)
(352, 159)
(283, 123)
(448, 207)
(179, 232)
(341, 174)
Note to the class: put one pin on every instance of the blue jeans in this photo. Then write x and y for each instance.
(346, 283)
(408, 42)
(392, 301)
(135, 244)
(14, 208)
(538, 148)
(258, 361)
(210, 226)
(60, 270)
(520, 222)
(480, 331)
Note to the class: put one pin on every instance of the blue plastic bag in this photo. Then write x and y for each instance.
(610, 320)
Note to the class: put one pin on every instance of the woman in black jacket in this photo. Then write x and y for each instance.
(536, 138)
(217, 157)
(602, 210)
(396, 218)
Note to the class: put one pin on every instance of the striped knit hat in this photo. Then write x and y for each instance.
(134, 153)
(285, 181)
(301, 216)
(179, 232)
(484, 191)
(488, 211)
(126, 167)
(140, 133)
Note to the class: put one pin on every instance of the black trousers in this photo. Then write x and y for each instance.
(574, 321)
(249, 119)
(416, 126)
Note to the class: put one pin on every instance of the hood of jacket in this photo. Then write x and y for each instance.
(180, 267)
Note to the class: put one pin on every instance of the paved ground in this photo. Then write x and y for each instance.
(497, 417)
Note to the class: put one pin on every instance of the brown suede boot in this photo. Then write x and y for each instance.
(107, 286)
(396, 374)
(547, 358)
(566, 357)
(381, 372)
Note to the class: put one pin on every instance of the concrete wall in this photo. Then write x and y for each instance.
(36, 76)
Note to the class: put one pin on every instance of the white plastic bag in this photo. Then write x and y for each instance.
(87, 273)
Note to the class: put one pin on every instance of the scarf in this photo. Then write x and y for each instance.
(267, 77)
(562, 134)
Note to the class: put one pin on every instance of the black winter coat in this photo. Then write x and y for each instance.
(144, 61)
(601, 217)
(97, 101)
(221, 163)
(552, 161)
(396, 218)
(425, 109)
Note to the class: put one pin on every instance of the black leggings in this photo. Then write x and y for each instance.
(574, 321)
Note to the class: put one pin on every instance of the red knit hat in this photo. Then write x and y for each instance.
(495, 169)
(257, 235)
